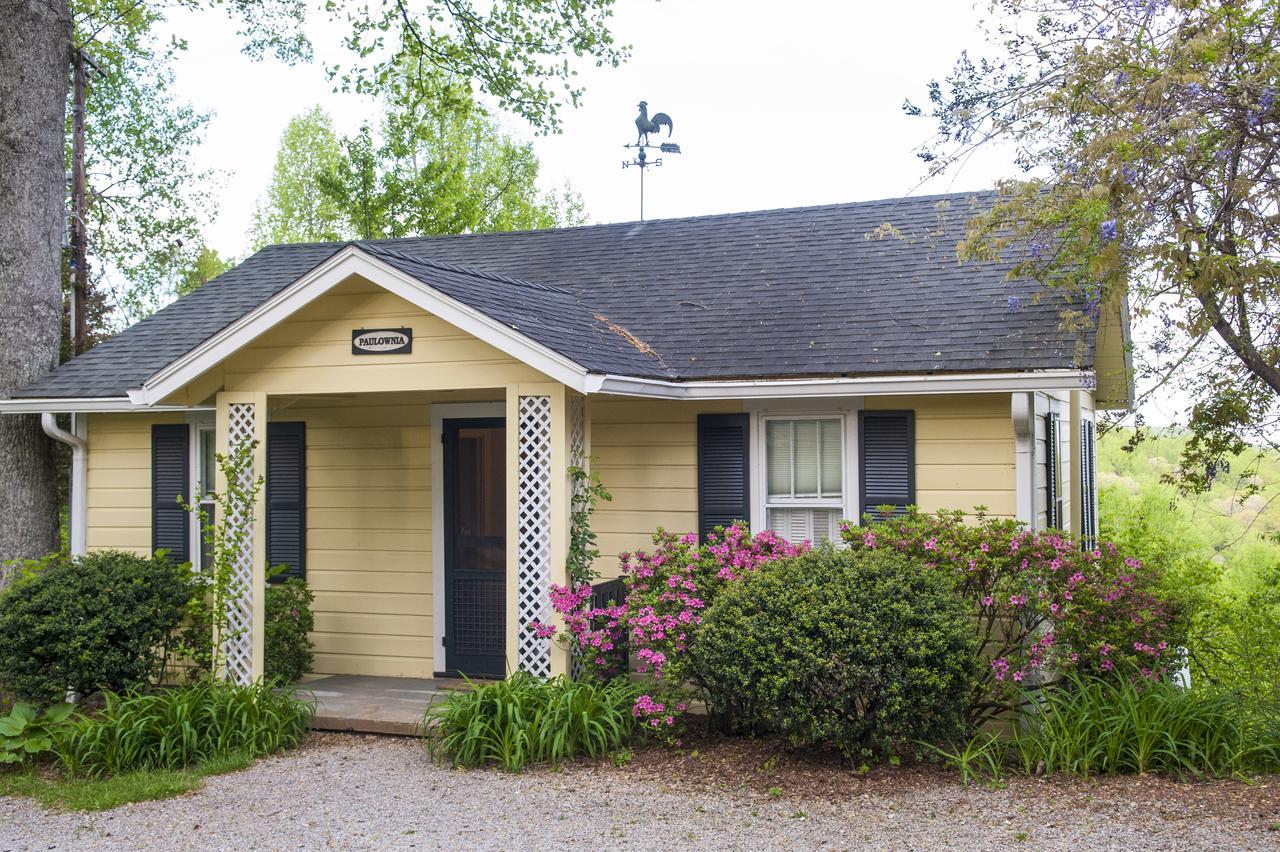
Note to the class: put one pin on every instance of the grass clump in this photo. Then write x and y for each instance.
(1090, 726)
(205, 723)
(100, 794)
(524, 720)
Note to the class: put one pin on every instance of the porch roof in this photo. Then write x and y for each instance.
(782, 294)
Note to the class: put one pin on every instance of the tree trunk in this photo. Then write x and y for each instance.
(35, 47)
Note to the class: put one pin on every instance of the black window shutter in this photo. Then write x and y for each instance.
(170, 490)
(887, 459)
(724, 492)
(1088, 485)
(287, 498)
(1052, 474)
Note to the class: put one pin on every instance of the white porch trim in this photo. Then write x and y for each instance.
(344, 264)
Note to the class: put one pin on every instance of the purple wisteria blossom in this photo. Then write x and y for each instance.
(1014, 304)
(1108, 230)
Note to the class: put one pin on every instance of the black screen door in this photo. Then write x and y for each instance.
(475, 546)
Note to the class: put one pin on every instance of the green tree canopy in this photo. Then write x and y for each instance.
(148, 202)
(436, 163)
(295, 209)
(1148, 134)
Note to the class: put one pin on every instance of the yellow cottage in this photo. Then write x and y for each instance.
(418, 402)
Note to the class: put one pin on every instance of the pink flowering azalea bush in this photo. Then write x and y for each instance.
(668, 589)
(1044, 604)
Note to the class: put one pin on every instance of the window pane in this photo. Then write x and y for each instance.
(801, 525)
(832, 459)
(791, 524)
(806, 458)
(778, 457)
(826, 525)
(208, 476)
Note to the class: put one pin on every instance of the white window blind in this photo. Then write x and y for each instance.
(804, 476)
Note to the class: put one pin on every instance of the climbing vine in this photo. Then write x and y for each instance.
(587, 490)
(226, 530)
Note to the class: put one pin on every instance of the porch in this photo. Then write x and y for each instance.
(369, 704)
(429, 530)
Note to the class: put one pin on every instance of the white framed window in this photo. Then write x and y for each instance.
(204, 480)
(804, 476)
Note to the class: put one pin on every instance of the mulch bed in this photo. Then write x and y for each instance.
(768, 766)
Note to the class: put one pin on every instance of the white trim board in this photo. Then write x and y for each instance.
(344, 264)
(1043, 380)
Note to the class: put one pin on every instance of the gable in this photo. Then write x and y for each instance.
(310, 352)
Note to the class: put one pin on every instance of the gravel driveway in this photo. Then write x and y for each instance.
(351, 792)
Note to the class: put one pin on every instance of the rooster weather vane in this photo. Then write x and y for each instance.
(645, 126)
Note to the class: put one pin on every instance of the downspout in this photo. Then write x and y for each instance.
(79, 470)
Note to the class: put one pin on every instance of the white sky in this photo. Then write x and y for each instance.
(774, 105)
(771, 110)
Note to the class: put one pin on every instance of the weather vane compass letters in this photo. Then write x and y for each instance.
(645, 126)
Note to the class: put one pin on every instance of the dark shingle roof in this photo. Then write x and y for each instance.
(847, 289)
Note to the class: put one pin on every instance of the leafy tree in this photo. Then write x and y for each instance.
(437, 163)
(294, 209)
(1147, 130)
(523, 52)
(148, 201)
(208, 265)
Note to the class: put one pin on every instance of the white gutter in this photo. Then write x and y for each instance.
(592, 383)
(86, 405)
(79, 473)
(1043, 380)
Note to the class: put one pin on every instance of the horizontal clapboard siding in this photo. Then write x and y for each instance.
(310, 353)
(646, 452)
(368, 533)
(964, 450)
(119, 480)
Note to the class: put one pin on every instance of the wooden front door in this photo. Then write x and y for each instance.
(475, 546)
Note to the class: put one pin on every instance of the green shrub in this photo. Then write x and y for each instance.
(90, 623)
(26, 732)
(182, 727)
(860, 650)
(1043, 604)
(1235, 640)
(287, 653)
(525, 719)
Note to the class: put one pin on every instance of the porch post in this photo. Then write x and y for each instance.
(537, 520)
(241, 419)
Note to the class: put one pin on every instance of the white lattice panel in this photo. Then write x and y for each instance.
(577, 434)
(533, 544)
(238, 645)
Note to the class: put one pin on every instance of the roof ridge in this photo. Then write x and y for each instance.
(461, 269)
(739, 214)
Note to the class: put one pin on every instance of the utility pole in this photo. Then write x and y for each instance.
(79, 206)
